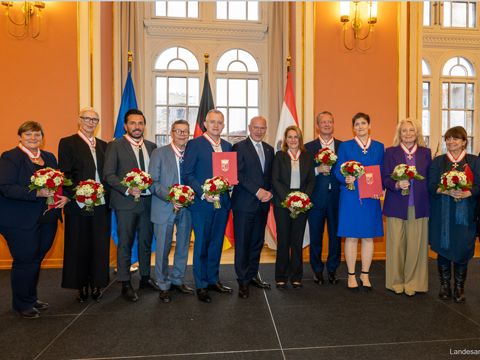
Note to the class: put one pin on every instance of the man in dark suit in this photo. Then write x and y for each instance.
(208, 223)
(325, 198)
(251, 203)
(124, 154)
(165, 168)
(87, 235)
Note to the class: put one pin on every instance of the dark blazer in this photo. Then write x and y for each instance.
(76, 161)
(119, 160)
(322, 182)
(20, 207)
(396, 204)
(250, 176)
(281, 175)
(197, 167)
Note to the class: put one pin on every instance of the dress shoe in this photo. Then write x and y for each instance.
(148, 284)
(332, 277)
(352, 288)
(219, 287)
(297, 284)
(259, 283)
(41, 305)
(30, 313)
(82, 294)
(184, 289)
(202, 295)
(97, 293)
(243, 292)
(164, 296)
(128, 293)
(318, 278)
(365, 287)
(281, 284)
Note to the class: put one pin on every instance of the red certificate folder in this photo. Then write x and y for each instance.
(225, 164)
(370, 183)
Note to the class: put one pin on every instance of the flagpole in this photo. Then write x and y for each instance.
(289, 63)
(130, 60)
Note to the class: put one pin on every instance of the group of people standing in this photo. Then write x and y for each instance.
(445, 218)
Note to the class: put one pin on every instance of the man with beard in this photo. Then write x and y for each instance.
(124, 154)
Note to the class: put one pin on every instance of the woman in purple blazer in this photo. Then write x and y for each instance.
(407, 215)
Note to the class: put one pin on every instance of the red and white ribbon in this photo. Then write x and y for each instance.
(325, 144)
(294, 157)
(32, 157)
(363, 145)
(215, 144)
(136, 143)
(90, 141)
(177, 151)
(457, 159)
(410, 152)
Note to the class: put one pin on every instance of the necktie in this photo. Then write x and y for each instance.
(141, 160)
(261, 155)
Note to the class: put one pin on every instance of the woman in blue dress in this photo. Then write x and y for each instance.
(359, 218)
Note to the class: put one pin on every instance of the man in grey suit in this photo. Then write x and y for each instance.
(122, 155)
(165, 168)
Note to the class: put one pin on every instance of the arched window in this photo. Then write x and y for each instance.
(458, 94)
(426, 73)
(177, 87)
(237, 91)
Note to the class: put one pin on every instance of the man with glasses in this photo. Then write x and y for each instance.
(166, 168)
(124, 154)
(87, 235)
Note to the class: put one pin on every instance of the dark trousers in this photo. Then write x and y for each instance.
(249, 232)
(289, 262)
(444, 262)
(316, 223)
(28, 247)
(130, 222)
(87, 249)
(209, 229)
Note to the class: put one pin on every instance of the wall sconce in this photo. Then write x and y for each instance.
(351, 15)
(26, 20)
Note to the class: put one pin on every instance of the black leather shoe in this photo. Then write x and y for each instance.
(128, 293)
(82, 294)
(97, 294)
(30, 313)
(281, 284)
(148, 284)
(332, 277)
(219, 287)
(40, 305)
(164, 296)
(202, 295)
(243, 291)
(318, 278)
(297, 284)
(259, 283)
(184, 289)
(362, 285)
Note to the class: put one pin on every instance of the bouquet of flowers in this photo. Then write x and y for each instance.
(297, 202)
(214, 187)
(455, 180)
(405, 172)
(137, 179)
(180, 195)
(327, 157)
(50, 179)
(352, 168)
(90, 193)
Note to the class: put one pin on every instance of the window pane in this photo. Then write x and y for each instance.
(249, 60)
(457, 118)
(161, 90)
(160, 8)
(459, 14)
(445, 95)
(161, 119)
(176, 113)
(221, 92)
(470, 96)
(426, 95)
(444, 121)
(177, 65)
(446, 14)
(457, 96)
(177, 91)
(467, 65)
(237, 10)
(221, 10)
(469, 122)
(472, 15)
(237, 122)
(425, 68)
(176, 8)
(426, 122)
(226, 59)
(251, 112)
(252, 93)
(165, 57)
(192, 9)
(458, 70)
(252, 10)
(237, 89)
(426, 13)
(192, 118)
(237, 66)
(193, 91)
(189, 58)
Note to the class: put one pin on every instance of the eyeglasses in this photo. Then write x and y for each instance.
(180, 132)
(90, 119)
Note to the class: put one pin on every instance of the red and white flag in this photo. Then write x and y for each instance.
(288, 117)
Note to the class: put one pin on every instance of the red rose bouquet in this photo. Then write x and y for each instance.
(352, 168)
(297, 202)
(405, 172)
(214, 187)
(137, 179)
(326, 157)
(455, 180)
(50, 179)
(90, 193)
(182, 195)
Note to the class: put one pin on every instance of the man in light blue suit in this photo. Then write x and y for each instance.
(208, 223)
(165, 169)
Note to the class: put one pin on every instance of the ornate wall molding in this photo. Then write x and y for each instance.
(466, 40)
(250, 32)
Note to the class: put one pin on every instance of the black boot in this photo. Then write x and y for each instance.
(460, 274)
(445, 274)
